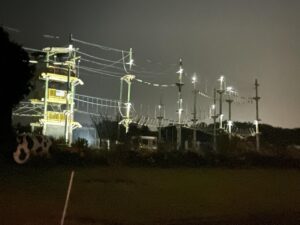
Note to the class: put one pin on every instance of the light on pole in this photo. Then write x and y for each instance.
(221, 92)
(229, 100)
(194, 120)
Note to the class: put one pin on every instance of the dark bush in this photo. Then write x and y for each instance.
(81, 143)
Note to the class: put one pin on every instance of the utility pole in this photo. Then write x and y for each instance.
(46, 96)
(179, 84)
(229, 100)
(72, 68)
(159, 118)
(128, 79)
(194, 120)
(120, 109)
(221, 92)
(68, 122)
(215, 116)
(256, 122)
(127, 119)
(46, 104)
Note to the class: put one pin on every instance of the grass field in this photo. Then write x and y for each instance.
(122, 195)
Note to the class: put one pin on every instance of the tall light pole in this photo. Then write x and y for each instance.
(194, 120)
(68, 122)
(128, 79)
(214, 116)
(229, 100)
(179, 84)
(256, 122)
(159, 118)
(221, 92)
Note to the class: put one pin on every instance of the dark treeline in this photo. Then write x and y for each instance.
(281, 137)
(275, 136)
(16, 74)
(108, 129)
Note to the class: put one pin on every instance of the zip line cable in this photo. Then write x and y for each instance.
(98, 46)
(102, 64)
(124, 65)
(98, 58)
(164, 72)
(101, 73)
(112, 65)
(237, 99)
(104, 71)
(32, 49)
(154, 84)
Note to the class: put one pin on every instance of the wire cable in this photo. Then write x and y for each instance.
(104, 71)
(102, 64)
(124, 65)
(32, 49)
(98, 46)
(97, 58)
(101, 73)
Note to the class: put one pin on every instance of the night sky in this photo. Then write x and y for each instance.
(240, 39)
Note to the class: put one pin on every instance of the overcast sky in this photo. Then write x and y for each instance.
(240, 39)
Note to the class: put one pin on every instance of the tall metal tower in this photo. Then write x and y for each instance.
(179, 84)
(229, 100)
(60, 68)
(256, 122)
(194, 120)
(221, 92)
(214, 116)
(160, 117)
(128, 79)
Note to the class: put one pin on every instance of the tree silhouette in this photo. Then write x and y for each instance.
(15, 75)
(106, 129)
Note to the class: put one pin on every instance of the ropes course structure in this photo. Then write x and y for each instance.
(83, 104)
(86, 63)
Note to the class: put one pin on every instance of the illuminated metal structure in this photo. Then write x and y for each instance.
(256, 122)
(221, 92)
(127, 119)
(229, 100)
(194, 120)
(214, 116)
(179, 84)
(58, 104)
(159, 118)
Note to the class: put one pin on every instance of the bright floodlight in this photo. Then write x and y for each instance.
(221, 78)
(180, 71)
(130, 63)
(221, 82)
(229, 89)
(194, 78)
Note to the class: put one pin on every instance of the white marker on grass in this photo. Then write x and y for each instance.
(67, 199)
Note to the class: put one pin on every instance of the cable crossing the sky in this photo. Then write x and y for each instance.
(98, 46)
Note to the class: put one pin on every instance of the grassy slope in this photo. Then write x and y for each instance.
(149, 195)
